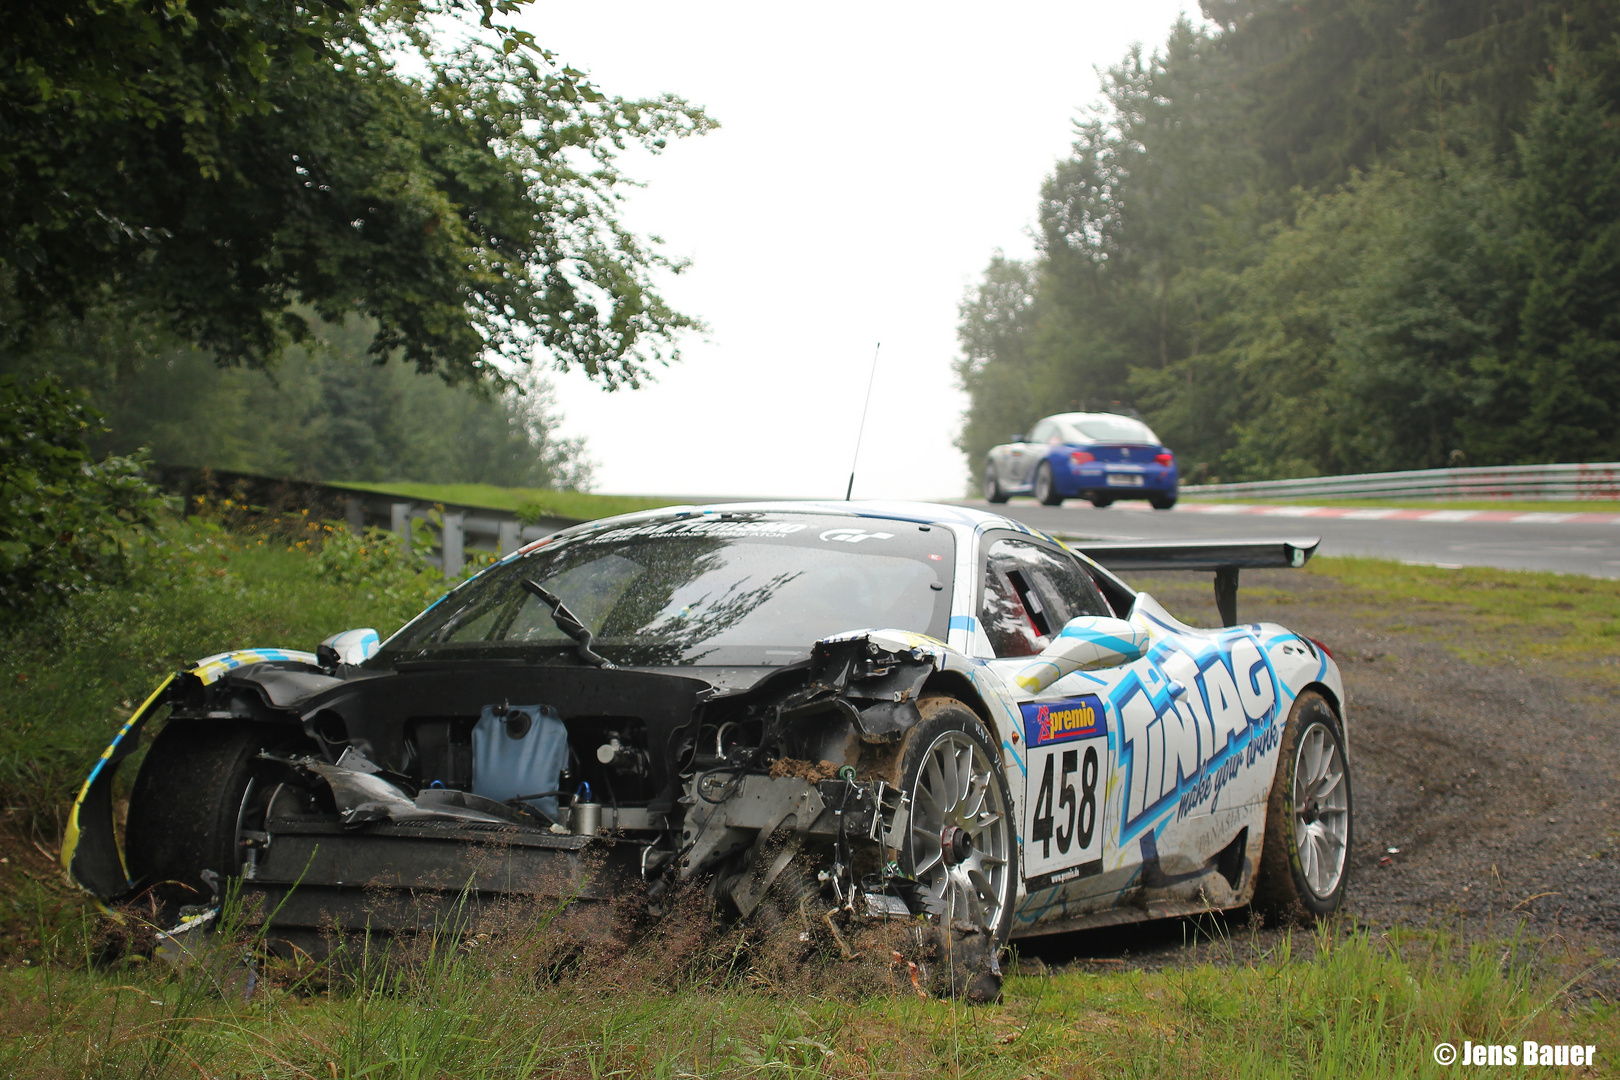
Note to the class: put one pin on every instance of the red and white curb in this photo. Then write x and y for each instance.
(1386, 514)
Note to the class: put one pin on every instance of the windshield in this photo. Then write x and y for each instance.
(1107, 429)
(738, 589)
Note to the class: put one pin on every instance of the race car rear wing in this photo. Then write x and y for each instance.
(1225, 557)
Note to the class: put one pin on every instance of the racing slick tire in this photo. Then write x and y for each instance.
(992, 487)
(960, 846)
(201, 783)
(1100, 501)
(1161, 502)
(1045, 488)
(1304, 860)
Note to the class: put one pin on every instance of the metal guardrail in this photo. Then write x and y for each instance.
(1564, 482)
(456, 529)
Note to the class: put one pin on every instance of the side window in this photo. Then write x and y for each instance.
(1030, 592)
(1044, 431)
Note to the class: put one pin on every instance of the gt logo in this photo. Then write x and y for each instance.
(854, 536)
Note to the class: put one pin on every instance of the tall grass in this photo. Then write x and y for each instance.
(1333, 1004)
(71, 676)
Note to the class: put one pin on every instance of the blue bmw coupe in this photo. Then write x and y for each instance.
(1101, 457)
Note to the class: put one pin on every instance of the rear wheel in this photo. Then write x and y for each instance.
(199, 788)
(1045, 488)
(1100, 501)
(1305, 860)
(992, 486)
(1161, 502)
(960, 845)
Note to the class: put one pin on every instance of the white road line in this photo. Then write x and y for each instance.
(1449, 515)
(1367, 515)
(1543, 517)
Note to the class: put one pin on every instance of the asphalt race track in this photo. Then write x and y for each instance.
(1589, 547)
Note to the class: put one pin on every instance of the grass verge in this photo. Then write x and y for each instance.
(1337, 1003)
(1508, 616)
(535, 502)
(1521, 506)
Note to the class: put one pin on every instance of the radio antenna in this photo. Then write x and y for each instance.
(861, 431)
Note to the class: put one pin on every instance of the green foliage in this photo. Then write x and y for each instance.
(71, 674)
(1568, 363)
(1337, 1004)
(67, 522)
(324, 410)
(216, 163)
(1443, 289)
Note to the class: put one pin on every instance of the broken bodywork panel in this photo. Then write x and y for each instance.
(364, 809)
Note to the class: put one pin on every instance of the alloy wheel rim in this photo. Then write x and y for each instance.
(960, 836)
(1321, 810)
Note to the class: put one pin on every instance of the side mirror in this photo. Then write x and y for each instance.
(1091, 641)
(1016, 438)
(349, 647)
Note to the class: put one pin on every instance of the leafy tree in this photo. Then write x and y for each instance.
(66, 521)
(324, 409)
(1564, 389)
(1358, 340)
(215, 163)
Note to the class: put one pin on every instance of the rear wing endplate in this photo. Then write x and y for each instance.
(1225, 557)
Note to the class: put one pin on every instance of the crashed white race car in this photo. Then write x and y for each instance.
(864, 711)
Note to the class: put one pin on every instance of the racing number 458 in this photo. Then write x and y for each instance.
(1081, 813)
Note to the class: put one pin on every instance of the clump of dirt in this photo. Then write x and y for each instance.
(813, 771)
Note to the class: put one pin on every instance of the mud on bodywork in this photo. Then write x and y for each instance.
(359, 814)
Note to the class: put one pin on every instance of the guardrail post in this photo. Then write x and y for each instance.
(452, 544)
(1226, 590)
(511, 537)
(399, 522)
(354, 510)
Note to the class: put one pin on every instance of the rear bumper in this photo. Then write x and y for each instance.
(1117, 481)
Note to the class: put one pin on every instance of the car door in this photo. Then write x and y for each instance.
(1032, 452)
(1065, 774)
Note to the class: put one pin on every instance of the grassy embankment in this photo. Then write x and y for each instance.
(1517, 506)
(530, 502)
(1342, 1004)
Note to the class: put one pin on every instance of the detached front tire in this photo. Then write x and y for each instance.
(1309, 821)
(960, 846)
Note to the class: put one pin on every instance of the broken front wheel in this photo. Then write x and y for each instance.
(959, 846)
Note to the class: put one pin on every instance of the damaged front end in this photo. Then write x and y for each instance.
(351, 801)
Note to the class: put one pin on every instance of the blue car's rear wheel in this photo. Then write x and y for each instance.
(1045, 487)
(1161, 502)
(992, 486)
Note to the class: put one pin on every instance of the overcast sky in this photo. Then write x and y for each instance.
(871, 159)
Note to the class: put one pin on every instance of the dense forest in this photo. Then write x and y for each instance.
(1329, 236)
(324, 409)
(333, 238)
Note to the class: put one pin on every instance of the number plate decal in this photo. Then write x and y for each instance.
(1124, 479)
(1065, 785)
